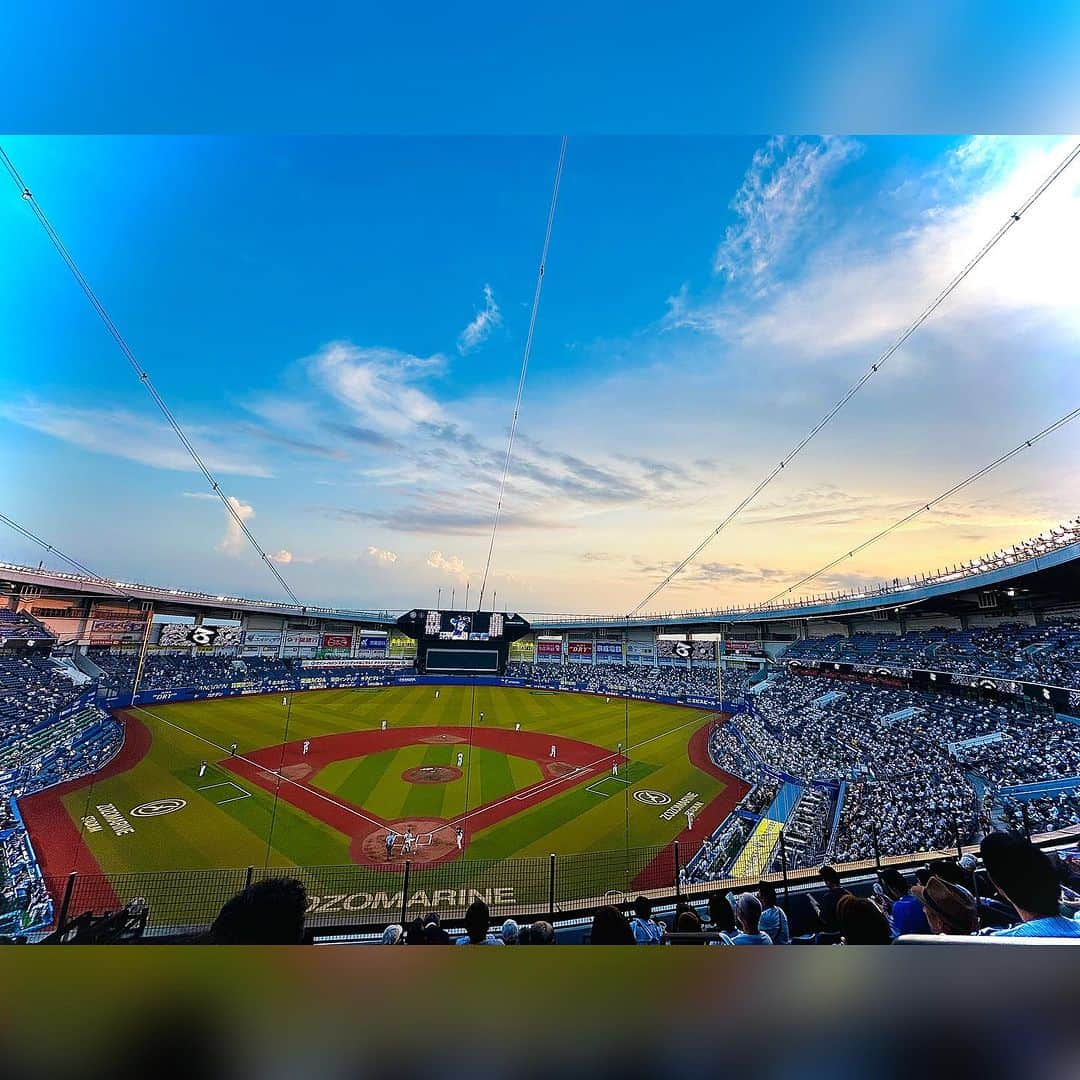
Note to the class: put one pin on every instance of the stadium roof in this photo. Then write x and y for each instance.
(1043, 568)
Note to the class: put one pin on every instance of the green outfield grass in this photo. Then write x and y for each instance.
(229, 822)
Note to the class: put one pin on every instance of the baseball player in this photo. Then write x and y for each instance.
(202, 769)
(284, 701)
(460, 759)
(436, 695)
(306, 747)
(232, 750)
(517, 727)
(614, 768)
(690, 819)
(391, 836)
(481, 717)
(410, 840)
(553, 751)
(460, 832)
(384, 725)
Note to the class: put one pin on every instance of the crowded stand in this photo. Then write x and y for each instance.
(634, 680)
(1047, 653)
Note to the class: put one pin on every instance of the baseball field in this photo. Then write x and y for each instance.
(454, 777)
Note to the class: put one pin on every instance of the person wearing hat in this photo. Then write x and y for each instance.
(434, 934)
(509, 932)
(1027, 879)
(393, 935)
(949, 909)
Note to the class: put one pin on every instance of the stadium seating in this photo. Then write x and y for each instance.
(1048, 653)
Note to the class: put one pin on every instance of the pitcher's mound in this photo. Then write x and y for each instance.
(297, 772)
(431, 774)
(438, 740)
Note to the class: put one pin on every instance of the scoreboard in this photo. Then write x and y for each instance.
(462, 642)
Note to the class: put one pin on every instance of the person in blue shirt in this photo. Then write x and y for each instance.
(774, 921)
(646, 930)
(907, 915)
(1026, 877)
(748, 918)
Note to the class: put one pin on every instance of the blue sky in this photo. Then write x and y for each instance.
(338, 322)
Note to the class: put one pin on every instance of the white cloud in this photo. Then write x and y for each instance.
(282, 557)
(776, 201)
(382, 555)
(128, 435)
(378, 385)
(477, 332)
(452, 565)
(232, 543)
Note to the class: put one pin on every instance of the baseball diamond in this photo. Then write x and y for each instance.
(341, 783)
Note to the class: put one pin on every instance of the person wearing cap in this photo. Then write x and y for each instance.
(434, 934)
(1026, 878)
(950, 909)
(509, 932)
(906, 916)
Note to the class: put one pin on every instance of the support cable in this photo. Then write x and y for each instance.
(867, 375)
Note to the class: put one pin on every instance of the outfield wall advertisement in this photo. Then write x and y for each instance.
(609, 652)
(263, 638)
(523, 650)
(549, 651)
(579, 652)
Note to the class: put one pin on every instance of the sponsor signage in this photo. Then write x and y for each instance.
(580, 649)
(742, 648)
(302, 639)
(548, 650)
(184, 635)
(262, 637)
(523, 650)
(337, 641)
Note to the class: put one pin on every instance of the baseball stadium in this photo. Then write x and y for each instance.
(874, 756)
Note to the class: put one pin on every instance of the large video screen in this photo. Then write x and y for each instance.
(463, 625)
(462, 660)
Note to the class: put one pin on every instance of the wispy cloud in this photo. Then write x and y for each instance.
(378, 385)
(132, 436)
(777, 201)
(478, 331)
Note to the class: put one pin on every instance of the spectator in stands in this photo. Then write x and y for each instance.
(826, 903)
(434, 934)
(748, 919)
(646, 930)
(541, 933)
(509, 932)
(393, 935)
(905, 911)
(611, 927)
(950, 908)
(270, 912)
(477, 924)
(688, 922)
(861, 922)
(721, 915)
(1026, 877)
(774, 920)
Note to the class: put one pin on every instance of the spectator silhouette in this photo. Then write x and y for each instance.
(270, 912)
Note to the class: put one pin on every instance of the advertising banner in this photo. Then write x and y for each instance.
(401, 645)
(609, 652)
(549, 651)
(670, 649)
(262, 637)
(185, 635)
(116, 631)
(579, 652)
(523, 650)
(742, 648)
(302, 639)
(641, 652)
(337, 641)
